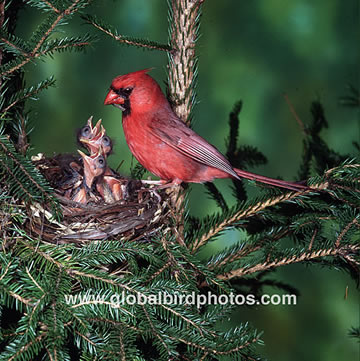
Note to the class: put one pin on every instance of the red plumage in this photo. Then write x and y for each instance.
(161, 141)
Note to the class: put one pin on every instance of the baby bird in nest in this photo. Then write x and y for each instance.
(92, 138)
(87, 178)
(98, 177)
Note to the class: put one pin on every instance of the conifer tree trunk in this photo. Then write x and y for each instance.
(184, 26)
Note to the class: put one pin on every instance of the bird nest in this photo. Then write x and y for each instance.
(97, 202)
(141, 214)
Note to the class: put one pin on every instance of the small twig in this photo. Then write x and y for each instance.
(292, 109)
(33, 279)
(306, 256)
(21, 299)
(247, 250)
(50, 355)
(215, 351)
(345, 230)
(244, 214)
(161, 270)
(154, 331)
(22, 143)
(25, 347)
(329, 171)
(126, 40)
(85, 338)
(5, 271)
(312, 239)
(52, 6)
(122, 346)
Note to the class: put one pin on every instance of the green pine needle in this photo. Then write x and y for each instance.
(28, 93)
(123, 39)
(23, 179)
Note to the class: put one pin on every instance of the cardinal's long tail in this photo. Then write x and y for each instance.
(274, 182)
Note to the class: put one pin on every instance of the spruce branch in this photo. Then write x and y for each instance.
(25, 350)
(78, 43)
(343, 169)
(216, 195)
(175, 265)
(36, 277)
(44, 5)
(234, 122)
(39, 39)
(14, 45)
(345, 230)
(216, 351)
(242, 214)
(352, 99)
(315, 150)
(240, 156)
(123, 39)
(159, 272)
(22, 130)
(28, 93)
(157, 333)
(20, 298)
(23, 179)
(63, 264)
(305, 256)
(355, 333)
(243, 249)
(197, 334)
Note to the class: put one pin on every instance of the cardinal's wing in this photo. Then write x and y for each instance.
(172, 131)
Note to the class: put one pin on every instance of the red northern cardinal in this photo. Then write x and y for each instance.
(161, 141)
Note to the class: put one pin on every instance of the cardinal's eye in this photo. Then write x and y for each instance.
(122, 92)
(126, 91)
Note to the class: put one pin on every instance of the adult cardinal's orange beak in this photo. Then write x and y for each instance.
(113, 98)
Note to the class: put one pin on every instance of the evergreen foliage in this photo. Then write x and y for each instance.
(19, 178)
(123, 39)
(59, 301)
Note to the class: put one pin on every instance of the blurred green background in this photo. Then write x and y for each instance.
(250, 50)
